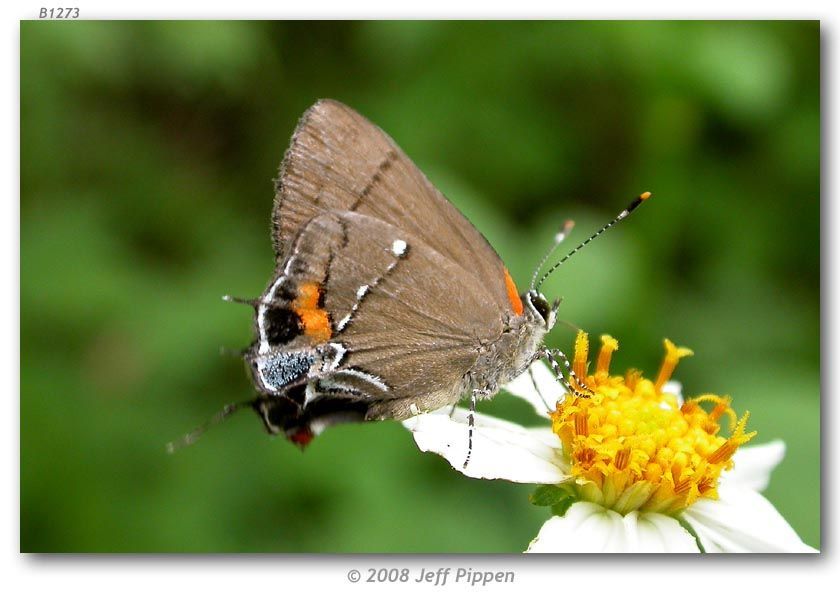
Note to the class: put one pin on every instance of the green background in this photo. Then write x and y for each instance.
(147, 157)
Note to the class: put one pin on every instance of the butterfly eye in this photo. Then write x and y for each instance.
(541, 305)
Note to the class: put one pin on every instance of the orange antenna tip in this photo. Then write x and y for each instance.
(568, 225)
(645, 195)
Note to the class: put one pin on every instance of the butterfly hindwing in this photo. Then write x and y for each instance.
(383, 299)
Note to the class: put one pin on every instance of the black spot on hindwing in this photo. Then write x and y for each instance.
(276, 412)
(282, 325)
(285, 412)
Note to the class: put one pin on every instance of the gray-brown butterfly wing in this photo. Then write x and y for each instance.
(407, 336)
(339, 161)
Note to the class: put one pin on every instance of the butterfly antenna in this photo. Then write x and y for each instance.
(196, 433)
(558, 239)
(620, 217)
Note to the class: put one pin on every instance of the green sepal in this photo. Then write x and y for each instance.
(549, 495)
(558, 497)
(559, 509)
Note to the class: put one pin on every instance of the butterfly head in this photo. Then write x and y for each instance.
(538, 308)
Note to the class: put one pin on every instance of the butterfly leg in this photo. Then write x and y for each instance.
(539, 392)
(572, 383)
(471, 425)
(476, 394)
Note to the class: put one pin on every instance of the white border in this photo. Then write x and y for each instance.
(304, 576)
(438, 9)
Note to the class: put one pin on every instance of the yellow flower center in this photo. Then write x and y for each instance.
(632, 446)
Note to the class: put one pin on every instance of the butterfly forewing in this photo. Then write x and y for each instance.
(339, 161)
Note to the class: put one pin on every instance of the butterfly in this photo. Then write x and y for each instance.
(385, 302)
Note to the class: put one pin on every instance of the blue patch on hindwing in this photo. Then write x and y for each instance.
(276, 371)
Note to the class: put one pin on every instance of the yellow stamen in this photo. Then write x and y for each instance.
(622, 459)
(721, 408)
(633, 447)
(581, 424)
(581, 354)
(669, 363)
(632, 378)
(608, 345)
(738, 438)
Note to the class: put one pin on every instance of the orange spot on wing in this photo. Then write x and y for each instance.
(316, 324)
(308, 295)
(513, 294)
(315, 320)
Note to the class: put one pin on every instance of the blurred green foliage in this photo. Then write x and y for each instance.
(147, 157)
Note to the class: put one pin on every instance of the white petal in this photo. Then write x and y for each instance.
(588, 527)
(742, 520)
(547, 385)
(658, 533)
(501, 450)
(753, 465)
(674, 388)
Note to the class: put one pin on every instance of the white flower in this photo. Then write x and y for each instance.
(615, 494)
